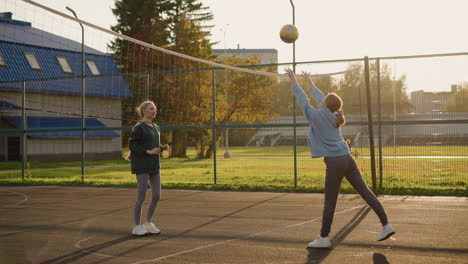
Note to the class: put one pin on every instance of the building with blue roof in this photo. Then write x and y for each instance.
(50, 68)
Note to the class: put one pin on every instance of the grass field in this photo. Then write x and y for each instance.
(266, 168)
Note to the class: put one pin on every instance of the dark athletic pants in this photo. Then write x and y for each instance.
(337, 167)
(142, 187)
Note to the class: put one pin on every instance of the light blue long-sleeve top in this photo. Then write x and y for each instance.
(325, 139)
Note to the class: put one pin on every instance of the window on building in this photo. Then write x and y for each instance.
(64, 64)
(92, 67)
(32, 60)
(2, 60)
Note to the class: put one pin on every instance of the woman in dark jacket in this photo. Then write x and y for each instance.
(145, 150)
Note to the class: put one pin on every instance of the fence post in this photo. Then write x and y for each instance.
(370, 123)
(24, 125)
(213, 122)
(379, 106)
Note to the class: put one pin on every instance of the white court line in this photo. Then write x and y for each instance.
(437, 209)
(78, 245)
(22, 194)
(362, 254)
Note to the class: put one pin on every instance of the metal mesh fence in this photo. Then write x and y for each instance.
(424, 147)
(420, 142)
(65, 119)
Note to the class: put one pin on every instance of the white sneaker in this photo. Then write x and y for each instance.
(151, 228)
(387, 231)
(320, 242)
(139, 230)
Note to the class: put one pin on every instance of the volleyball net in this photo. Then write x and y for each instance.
(121, 71)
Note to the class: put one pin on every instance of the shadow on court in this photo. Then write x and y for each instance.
(379, 259)
(185, 232)
(92, 225)
(316, 255)
(76, 255)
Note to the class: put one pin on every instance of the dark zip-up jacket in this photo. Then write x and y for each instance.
(144, 137)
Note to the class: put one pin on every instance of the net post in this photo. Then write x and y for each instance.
(294, 100)
(370, 123)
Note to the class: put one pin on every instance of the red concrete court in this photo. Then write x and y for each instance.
(92, 225)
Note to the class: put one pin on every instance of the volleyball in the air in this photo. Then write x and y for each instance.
(289, 33)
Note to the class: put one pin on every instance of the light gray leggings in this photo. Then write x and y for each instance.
(337, 167)
(142, 187)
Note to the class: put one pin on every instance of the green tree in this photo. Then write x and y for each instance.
(352, 89)
(458, 102)
(393, 96)
(249, 96)
(281, 98)
(191, 90)
(178, 25)
(146, 24)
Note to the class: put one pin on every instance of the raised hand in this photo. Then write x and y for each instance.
(291, 75)
(307, 78)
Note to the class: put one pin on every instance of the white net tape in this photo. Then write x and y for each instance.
(150, 46)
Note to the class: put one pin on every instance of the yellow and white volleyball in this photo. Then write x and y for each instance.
(289, 33)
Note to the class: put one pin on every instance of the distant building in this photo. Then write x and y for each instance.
(39, 61)
(398, 134)
(430, 102)
(272, 136)
(266, 56)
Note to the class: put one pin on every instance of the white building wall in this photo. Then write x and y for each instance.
(106, 110)
(69, 146)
